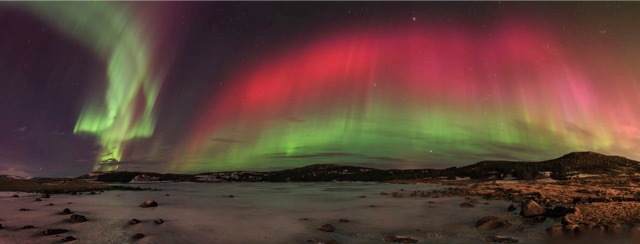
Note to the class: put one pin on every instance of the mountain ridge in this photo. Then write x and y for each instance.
(586, 162)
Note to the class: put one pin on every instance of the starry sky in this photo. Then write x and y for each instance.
(215, 86)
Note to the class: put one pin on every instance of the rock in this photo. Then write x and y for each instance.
(38, 200)
(474, 201)
(511, 208)
(49, 232)
(0, 226)
(159, 221)
(76, 218)
(580, 200)
(138, 236)
(501, 239)
(92, 193)
(46, 195)
(491, 223)
(431, 202)
(570, 228)
(231, 196)
(384, 193)
(166, 195)
(332, 241)
(400, 239)
(66, 211)
(397, 195)
(343, 220)
(50, 204)
(327, 228)
(494, 197)
(539, 219)
(28, 227)
(68, 239)
(555, 231)
(362, 196)
(15, 196)
(134, 221)
(25, 209)
(466, 205)
(149, 204)
(530, 209)
(614, 229)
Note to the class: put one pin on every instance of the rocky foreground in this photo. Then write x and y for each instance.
(584, 208)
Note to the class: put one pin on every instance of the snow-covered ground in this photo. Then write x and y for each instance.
(258, 213)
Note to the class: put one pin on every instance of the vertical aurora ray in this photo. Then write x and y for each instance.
(125, 109)
(415, 96)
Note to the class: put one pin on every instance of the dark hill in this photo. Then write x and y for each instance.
(580, 162)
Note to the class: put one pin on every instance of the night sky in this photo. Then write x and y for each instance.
(213, 86)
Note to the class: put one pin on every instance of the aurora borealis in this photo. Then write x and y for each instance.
(115, 35)
(194, 87)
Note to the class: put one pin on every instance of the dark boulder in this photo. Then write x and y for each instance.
(511, 208)
(38, 199)
(134, 221)
(327, 228)
(149, 204)
(68, 239)
(15, 196)
(138, 236)
(49, 232)
(66, 211)
(466, 205)
(580, 200)
(159, 221)
(501, 239)
(46, 195)
(538, 219)
(25, 209)
(491, 223)
(473, 201)
(400, 239)
(343, 220)
(28, 227)
(76, 218)
(50, 204)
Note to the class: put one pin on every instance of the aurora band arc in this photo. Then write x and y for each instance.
(414, 96)
(126, 109)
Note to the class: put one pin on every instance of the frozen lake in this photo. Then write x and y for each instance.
(258, 213)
